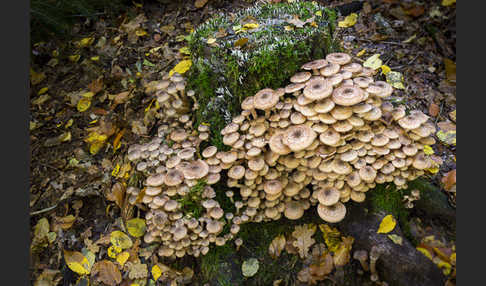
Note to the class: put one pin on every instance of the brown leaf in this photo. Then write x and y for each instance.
(64, 223)
(200, 3)
(449, 179)
(304, 240)
(415, 11)
(121, 97)
(323, 266)
(96, 85)
(106, 271)
(342, 255)
(276, 246)
(450, 69)
(446, 126)
(433, 109)
(117, 194)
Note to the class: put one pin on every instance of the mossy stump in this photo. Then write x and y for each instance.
(236, 55)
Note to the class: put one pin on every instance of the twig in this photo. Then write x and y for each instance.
(44, 210)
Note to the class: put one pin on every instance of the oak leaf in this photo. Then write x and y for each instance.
(304, 240)
(106, 271)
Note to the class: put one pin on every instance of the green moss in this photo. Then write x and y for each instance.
(223, 74)
(191, 203)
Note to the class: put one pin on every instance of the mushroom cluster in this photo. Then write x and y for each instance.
(324, 139)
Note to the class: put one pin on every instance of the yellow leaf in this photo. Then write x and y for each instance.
(185, 50)
(120, 239)
(77, 262)
(113, 251)
(373, 62)
(433, 170)
(396, 239)
(211, 41)
(95, 147)
(117, 140)
(69, 123)
(115, 170)
(319, 13)
(276, 246)
(288, 28)
(448, 2)
(181, 67)
(122, 257)
(425, 252)
(140, 32)
(387, 224)
(95, 58)
(74, 58)
(43, 90)
(349, 21)
(83, 104)
(136, 227)
(156, 272)
(385, 69)
(428, 150)
(395, 79)
(95, 136)
(35, 77)
(250, 26)
(88, 94)
(448, 137)
(241, 42)
(360, 53)
(65, 137)
(86, 42)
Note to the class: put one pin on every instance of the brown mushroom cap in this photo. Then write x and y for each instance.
(173, 177)
(300, 77)
(409, 122)
(265, 99)
(273, 187)
(178, 135)
(330, 137)
(195, 170)
(342, 112)
(317, 88)
(209, 151)
(214, 226)
(329, 70)
(347, 95)
(353, 68)
(324, 106)
(314, 65)
(293, 87)
(293, 210)
(380, 88)
(367, 174)
(421, 161)
(248, 103)
(358, 196)
(353, 179)
(332, 214)
(299, 137)
(277, 145)
(338, 58)
(379, 140)
(155, 180)
(328, 196)
(236, 172)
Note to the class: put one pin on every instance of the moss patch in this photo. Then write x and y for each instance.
(223, 74)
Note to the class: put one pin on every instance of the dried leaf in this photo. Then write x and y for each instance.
(199, 4)
(36, 78)
(323, 266)
(106, 271)
(276, 246)
(395, 79)
(136, 227)
(122, 257)
(181, 67)
(96, 85)
(349, 21)
(447, 137)
(64, 223)
(83, 104)
(434, 109)
(77, 262)
(332, 237)
(120, 239)
(450, 69)
(452, 115)
(117, 194)
(117, 140)
(387, 224)
(137, 270)
(41, 230)
(303, 235)
(449, 180)
(48, 277)
(373, 62)
(121, 97)
(342, 255)
(241, 42)
(428, 150)
(448, 2)
(396, 239)
(250, 267)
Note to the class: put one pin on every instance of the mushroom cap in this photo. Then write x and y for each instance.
(173, 177)
(334, 79)
(230, 128)
(195, 169)
(317, 88)
(342, 126)
(314, 65)
(358, 196)
(379, 140)
(293, 87)
(409, 122)
(300, 77)
(209, 151)
(367, 174)
(329, 70)
(328, 196)
(332, 214)
(330, 137)
(265, 99)
(178, 135)
(353, 179)
(273, 187)
(186, 153)
(362, 81)
(276, 144)
(155, 180)
(236, 172)
(248, 103)
(293, 210)
(353, 68)
(179, 233)
(153, 191)
(340, 167)
(421, 161)
(342, 112)
(231, 138)
(299, 137)
(214, 226)
(338, 58)
(347, 95)
(324, 106)
(362, 107)
(380, 88)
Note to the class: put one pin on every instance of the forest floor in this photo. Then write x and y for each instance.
(87, 105)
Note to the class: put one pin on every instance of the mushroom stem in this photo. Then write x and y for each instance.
(375, 253)
(362, 256)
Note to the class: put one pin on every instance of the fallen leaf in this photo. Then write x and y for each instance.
(85, 42)
(181, 67)
(96, 85)
(83, 104)
(428, 150)
(276, 246)
(117, 194)
(415, 11)
(387, 224)
(48, 277)
(64, 223)
(434, 109)
(137, 270)
(385, 69)
(303, 235)
(395, 79)
(452, 115)
(199, 4)
(342, 255)
(42, 90)
(349, 21)
(120, 239)
(106, 271)
(360, 53)
(122, 257)
(211, 41)
(241, 42)
(41, 230)
(447, 137)
(35, 77)
(332, 237)
(156, 272)
(449, 179)
(448, 2)
(250, 267)
(136, 227)
(77, 262)
(250, 26)
(121, 97)
(74, 58)
(396, 239)
(117, 140)
(450, 69)
(424, 252)
(373, 62)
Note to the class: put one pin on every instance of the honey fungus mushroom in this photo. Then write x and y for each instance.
(325, 138)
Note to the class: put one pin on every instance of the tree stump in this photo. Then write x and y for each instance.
(234, 56)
